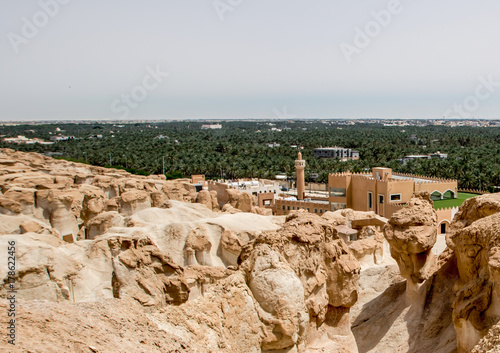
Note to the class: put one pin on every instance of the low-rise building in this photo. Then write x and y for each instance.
(61, 138)
(412, 157)
(23, 140)
(343, 154)
(251, 186)
(211, 126)
(316, 205)
(385, 192)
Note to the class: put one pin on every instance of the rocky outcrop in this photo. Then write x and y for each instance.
(179, 190)
(310, 266)
(475, 239)
(411, 233)
(142, 272)
(101, 223)
(208, 198)
(157, 256)
(65, 207)
(134, 201)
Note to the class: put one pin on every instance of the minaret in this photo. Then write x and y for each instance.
(300, 165)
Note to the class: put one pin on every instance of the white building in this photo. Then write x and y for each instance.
(212, 126)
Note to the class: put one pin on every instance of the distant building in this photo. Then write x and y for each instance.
(251, 186)
(439, 155)
(273, 144)
(23, 140)
(412, 157)
(211, 126)
(343, 154)
(61, 138)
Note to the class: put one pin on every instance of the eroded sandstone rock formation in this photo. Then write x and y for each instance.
(146, 253)
(468, 269)
(474, 236)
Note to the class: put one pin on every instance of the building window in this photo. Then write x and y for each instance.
(315, 210)
(334, 206)
(320, 210)
(288, 208)
(396, 197)
(283, 208)
(337, 192)
(381, 199)
(370, 200)
(308, 210)
(443, 228)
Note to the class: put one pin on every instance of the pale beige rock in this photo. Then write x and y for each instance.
(280, 295)
(30, 227)
(101, 223)
(205, 198)
(25, 197)
(411, 233)
(142, 272)
(327, 271)
(134, 201)
(179, 190)
(9, 206)
(94, 202)
(475, 239)
(65, 207)
(240, 200)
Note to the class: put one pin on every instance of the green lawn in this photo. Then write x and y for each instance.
(462, 196)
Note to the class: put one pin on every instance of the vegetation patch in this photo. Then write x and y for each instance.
(461, 197)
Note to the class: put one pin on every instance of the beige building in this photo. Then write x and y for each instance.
(385, 192)
(316, 205)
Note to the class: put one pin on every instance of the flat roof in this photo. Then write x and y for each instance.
(400, 177)
(332, 148)
(323, 202)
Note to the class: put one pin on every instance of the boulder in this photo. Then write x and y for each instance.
(134, 201)
(411, 233)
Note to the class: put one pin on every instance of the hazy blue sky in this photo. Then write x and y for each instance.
(248, 59)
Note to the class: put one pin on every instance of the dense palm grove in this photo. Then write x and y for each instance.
(240, 148)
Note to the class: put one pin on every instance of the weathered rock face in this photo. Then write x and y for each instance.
(368, 249)
(208, 198)
(141, 271)
(280, 296)
(101, 223)
(324, 280)
(180, 190)
(134, 201)
(411, 233)
(235, 281)
(474, 237)
(65, 207)
(240, 200)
